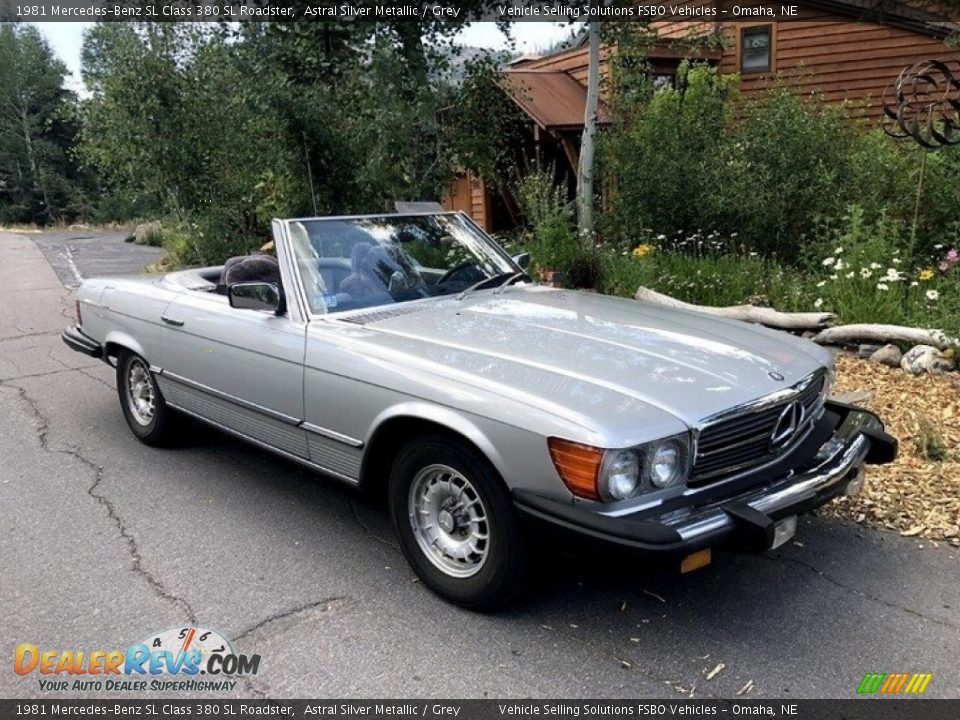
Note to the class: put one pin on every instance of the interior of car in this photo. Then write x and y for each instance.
(349, 266)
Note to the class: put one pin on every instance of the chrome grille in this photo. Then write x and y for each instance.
(738, 442)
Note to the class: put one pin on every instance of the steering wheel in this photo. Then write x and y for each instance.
(456, 270)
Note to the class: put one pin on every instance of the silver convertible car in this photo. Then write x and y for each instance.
(411, 356)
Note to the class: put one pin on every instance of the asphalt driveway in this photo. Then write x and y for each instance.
(104, 541)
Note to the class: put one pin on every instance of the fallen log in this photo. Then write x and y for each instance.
(882, 334)
(748, 313)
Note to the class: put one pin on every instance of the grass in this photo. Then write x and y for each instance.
(715, 278)
(854, 289)
(930, 443)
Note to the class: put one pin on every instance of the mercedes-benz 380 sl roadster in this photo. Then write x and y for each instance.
(412, 356)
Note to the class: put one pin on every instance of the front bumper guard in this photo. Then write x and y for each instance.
(745, 521)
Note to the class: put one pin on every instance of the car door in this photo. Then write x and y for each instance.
(340, 406)
(240, 369)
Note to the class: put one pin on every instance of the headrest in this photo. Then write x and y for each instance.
(380, 261)
(358, 255)
(253, 268)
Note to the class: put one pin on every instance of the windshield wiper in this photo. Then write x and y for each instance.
(479, 284)
(509, 281)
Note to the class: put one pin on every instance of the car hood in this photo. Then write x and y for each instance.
(579, 348)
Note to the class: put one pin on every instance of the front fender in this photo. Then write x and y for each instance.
(456, 421)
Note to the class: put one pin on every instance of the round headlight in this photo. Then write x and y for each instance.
(666, 464)
(619, 474)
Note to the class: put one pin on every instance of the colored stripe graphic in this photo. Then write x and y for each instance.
(871, 683)
(894, 683)
(922, 680)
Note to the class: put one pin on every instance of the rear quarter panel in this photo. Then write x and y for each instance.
(125, 313)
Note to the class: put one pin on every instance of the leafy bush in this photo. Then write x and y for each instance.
(884, 176)
(659, 162)
(552, 240)
(780, 168)
(777, 170)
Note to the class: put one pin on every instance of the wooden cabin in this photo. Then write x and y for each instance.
(842, 50)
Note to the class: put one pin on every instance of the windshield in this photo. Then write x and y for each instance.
(359, 262)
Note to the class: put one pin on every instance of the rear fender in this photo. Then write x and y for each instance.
(118, 339)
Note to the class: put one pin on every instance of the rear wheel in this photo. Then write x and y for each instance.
(456, 523)
(143, 406)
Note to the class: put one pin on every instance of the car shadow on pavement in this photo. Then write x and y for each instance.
(836, 600)
(745, 586)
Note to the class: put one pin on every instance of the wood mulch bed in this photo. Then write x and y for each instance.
(919, 493)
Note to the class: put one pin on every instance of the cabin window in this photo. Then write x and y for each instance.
(755, 49)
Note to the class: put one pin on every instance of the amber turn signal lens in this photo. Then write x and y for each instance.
(577, 465)
(695, 561)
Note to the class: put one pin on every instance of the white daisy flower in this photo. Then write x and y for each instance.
(933, 295)
(818, 303)
(866, 273)
(821, 283)
(883, 286)
(838, 251)
(829, 261)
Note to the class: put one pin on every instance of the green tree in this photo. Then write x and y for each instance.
(38, 178)
(223, 127)
(178, 125)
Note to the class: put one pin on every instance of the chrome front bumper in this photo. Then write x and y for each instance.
(838, 470)
(745, 518)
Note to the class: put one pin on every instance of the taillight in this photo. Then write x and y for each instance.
(76, 313)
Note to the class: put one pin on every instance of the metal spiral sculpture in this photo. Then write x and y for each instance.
(923, 103)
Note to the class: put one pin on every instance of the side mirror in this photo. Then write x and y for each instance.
(255, 296)
(522, 260)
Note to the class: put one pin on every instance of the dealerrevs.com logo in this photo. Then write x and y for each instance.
(172, 660)
(894, 683)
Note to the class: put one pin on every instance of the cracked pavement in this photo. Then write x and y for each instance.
(105, 541)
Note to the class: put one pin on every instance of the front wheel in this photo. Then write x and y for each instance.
(456, 523)
(143, 406)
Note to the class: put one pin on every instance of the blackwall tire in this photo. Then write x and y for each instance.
(144, 408)
(457, 525)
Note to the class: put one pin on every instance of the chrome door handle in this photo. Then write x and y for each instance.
(171, 321)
